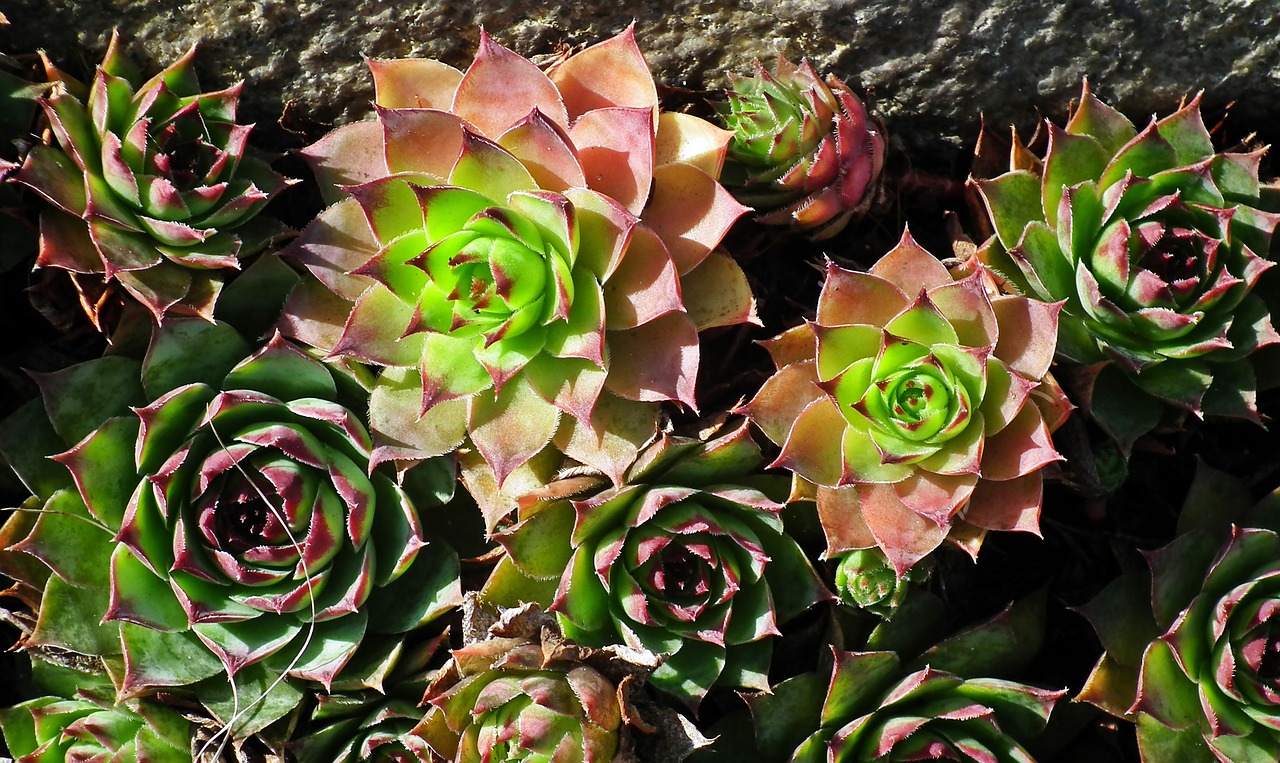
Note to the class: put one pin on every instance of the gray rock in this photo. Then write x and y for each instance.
(930, 67)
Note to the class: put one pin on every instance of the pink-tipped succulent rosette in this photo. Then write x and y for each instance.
(915, 406)
(527, 254)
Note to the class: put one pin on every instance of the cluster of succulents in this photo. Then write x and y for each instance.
(480, 463)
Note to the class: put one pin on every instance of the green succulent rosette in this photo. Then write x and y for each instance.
(88, 729)
(525, 695)
(224, 521)
(528, 255)
(1191, 649)
(151, 186)
(804, 152)
(916, 407)
(687, 558)
(864, 578)
(1154, 241)
(873, 713)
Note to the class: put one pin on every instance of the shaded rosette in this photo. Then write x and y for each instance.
(232, 521)
(873, 713)
(804, 151)
(85, 729)
(687, 558)
(526, 697)
(355, 728)
(918, 405)
(527, 254)
(151, 185)
(1154, 241)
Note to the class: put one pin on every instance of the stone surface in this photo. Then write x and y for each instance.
(930, 66)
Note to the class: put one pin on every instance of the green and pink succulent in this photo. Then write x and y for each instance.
(528, 256)
(805, 153)
(1191, 649)
(686, 558)
(525, 695)
(873, 714)
(224, 516)
(88, 729)
(916, 407)
(1154, 242)
(151, 186)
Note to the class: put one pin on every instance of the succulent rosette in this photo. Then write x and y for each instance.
(527, 254)
(915, 406)
(873, 713)
(1191, 649)
(1154, 242)
(865, 579)
(151, 185)
(86, 729)
(804, 151)
(686, 558)
(524, 695)
(229, 519)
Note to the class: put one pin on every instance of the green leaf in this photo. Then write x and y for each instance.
(1144, 156)
(71, 542)
(103, 467)
(857, 683)
(27, 439)
(139, 596)
(1185, 131)
(1013, 201)
(262, 697)
(429, 588)
(1159, 742)
(284, 372)
(1165, 692)
(1002, 646)
(1040, 256)
(252, 302)
(747, 665)
(80, 398)
(173, 359)
(786, 716)
(70, 618)
(329, 647)
(1121, 409)
(691, 672)
(540, 545)
(1121, 615)
(1072, 159)
(156, 658)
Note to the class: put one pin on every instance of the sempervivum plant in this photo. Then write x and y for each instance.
(527, 253)
(687, 558)
(865, 579)
(89, 729)
(873, 713)
(908, 402)
(525, 695)
(229, 518)
(151, 186)
(1154, 241)
(805, 153)
(1191, 650)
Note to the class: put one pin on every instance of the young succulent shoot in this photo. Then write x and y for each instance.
(687, 558)
(805, 153)
(875, 714)
(524, 694)
(1191, 648)
(865, 579)
(226, 516)
(915, 407)
(1153, 241)
(527, 255)
(151, 186)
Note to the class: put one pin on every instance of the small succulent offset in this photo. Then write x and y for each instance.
(151, 186)
(225, 516)
(89, 729)
(916, 406)
(1154, 242)
(686, 558)
(1191, 650)
(527, 254)
(525, 695)
(805, 153)
(873, 713)
(865, 579)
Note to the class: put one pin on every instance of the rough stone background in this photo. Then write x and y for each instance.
(930, 67)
